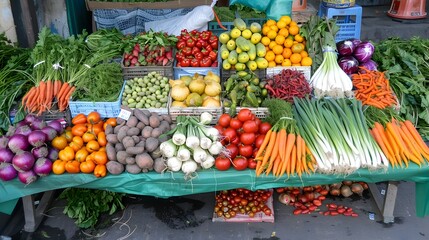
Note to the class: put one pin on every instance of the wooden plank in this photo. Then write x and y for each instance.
(34, 216)
(385, 205)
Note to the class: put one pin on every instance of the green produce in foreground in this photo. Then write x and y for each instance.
(150, 91)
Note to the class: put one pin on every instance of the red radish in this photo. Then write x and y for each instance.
(24, 130)
(39, 152)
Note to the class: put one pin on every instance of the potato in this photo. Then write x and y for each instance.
(133, 131)
(132, 121)
(164, 126)
(133, 168)
(122, 133)
(141, 116)
(130, 160)
(167, 118)
(156, 132)
(151, 144)
(109, 129)
(112, 138)
(120, 121)
(144, 161)
(116, 129)
(119, 147)
(128, 142)
(146, 112)
(163, 138)
(159, 165)
(147, 132)
(156, 154)
(111, 152)
(136, 139)
(140, 125)
(173, 126)
(141, 143)
(154, 121)
(135, 150)
(114, 168)
(122, 156)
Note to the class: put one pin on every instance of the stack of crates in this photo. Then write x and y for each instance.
(349, 20)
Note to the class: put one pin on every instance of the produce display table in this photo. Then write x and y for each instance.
(173, 184)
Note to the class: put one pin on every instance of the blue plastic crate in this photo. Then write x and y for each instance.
(349, 20)
(215, 28)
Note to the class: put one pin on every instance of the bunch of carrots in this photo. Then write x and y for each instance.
(283, 150)
(372, 88)
(42, 97)
(399, 140)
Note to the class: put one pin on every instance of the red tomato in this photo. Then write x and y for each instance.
(255, 152)
(251, 163)
(224, 120)
(219, 129)
(250, 126)
(239, 163)
(247, 138)
(232, 150)
(236, 140)
(229, 134)
(264, 127)
(259, 140)
(258, 121)
(245, 150)
(235, 123)
(245, 114)
(222, 163)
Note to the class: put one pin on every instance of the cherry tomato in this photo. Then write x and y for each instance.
(259, 140)
(239, 163)
(235, 123)
(264, 127)
(232, 149)
(247, 138)
(250, 126)
(245, 114)
(222, 163)
(245, 150)
(251, 163)
(224, 120)
(229, 134)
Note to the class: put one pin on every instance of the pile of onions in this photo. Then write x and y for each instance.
(26, 153)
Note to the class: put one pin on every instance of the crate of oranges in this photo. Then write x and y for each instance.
(284, 44)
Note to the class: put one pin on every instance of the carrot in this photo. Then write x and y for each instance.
(67, 98)
(298, 152)
(377, 137)
(303, 158)
(397, 135)
(32, 102)
(26, 99)
(274, 154)
(64, 87)
(415, 144)
(49, 89)
(264, 144)
(276, 166)
(290, 142)
(293, 160)
(282, 145)
(410, 143)
(415, 134)
(267, 154)
(57, 86)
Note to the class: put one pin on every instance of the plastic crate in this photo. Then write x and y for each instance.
(57, 115)
(190, 71)
(338, 3)
(304, 70)
(349, 20)
(106, 109)
(260, 112)
(215, 28)
(132, 72)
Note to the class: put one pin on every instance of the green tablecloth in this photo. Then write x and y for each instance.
(174, 184)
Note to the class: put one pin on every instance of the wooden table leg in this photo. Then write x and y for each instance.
(386, 204)
(34, 216)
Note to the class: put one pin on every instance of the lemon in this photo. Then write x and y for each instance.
(256, 37)
(247, 34)
(235, 33)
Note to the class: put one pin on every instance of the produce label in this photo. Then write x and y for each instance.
(124, 114)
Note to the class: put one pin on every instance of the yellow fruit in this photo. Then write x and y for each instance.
(304, 54)
(224, 37)
(272, 64)
(265, 40)
(274, 27)
(298, 38)
(283, 32)
(230, 45)
(295, 58)
(288, 43)
(286, 19)
(281, 24)
(293, 23)
(272, 44)
(279, 59)
(306, 61)
(235, 33)
(280, 39)
(272, 34)
(286, 63)
(270, 22)
(255, 27)
(270, 55)
(297, 47)
(255, 38)
(247, 34)
(265, 30)
(262, 63)
(278, 49)
(293, 30)
(287, 52)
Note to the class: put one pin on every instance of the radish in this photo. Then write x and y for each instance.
(37, 138)
(40, 152)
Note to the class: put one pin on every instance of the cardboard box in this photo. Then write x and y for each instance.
(92, 5)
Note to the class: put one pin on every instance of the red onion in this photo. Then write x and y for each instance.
(30, 118)
(18, 142)
(42, 167)
(52, 154)
(24, 130)
(37, 138)
(38, 124)
(7, 172)
(23, 161)
(6, 155)
(3, 141)
(27, 177)
(56, 124)
(39, 152)
(50, 132)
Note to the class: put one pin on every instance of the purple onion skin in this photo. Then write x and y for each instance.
(18, 142)
(23, 161)
(40, 152)
(38, 124)
(52, 154)
(345, 48)
(348, 64)
(30, 118)
(370, 65)
(7, 172)
(6, 155)
(3, 141)
(56, 124)
(50, 132)
(355, 41)
(21, 123)
(363, 52)
(42, 167)
(37, 138)
(24, 130)
(27, 177)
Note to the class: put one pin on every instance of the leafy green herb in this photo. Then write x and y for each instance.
(86, 205)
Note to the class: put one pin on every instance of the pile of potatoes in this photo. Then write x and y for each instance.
(133, 145)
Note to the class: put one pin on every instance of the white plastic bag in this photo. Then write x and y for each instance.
(195, 19)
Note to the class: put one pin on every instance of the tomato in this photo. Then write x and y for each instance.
(229, 134)
(232, 150)
(100, 171)
(239, 163)
(257, 121)
(264, 127)
(224, 120)
(235, 123)
(250, 126)
(219, 129)
(259, 140)
(251, 163)
(247, 138)
(235, 141)
(93, 117)
(245, 114)
(222, 163)
(245, 150)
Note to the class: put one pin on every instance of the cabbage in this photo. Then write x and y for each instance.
(355, 42)
(348, 64)
(370, 65)
(363, 52)
(345, 48)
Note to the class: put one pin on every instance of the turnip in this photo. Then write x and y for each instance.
(6, 155)
(174, 164)
(24, 130)
(189, 167)
(3, 141)
(18, 142)
(42, 167)
(52, 154)
(216, 148)
(7, 172)
(27, 177)
(56, 124)
(23, 161)
(37, 138)
(208, 163)
(38, 124)
(40, 152)
(50, 133)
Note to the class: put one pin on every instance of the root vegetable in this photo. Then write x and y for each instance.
(112, 138)
(6, 155)
(133, 168)
(121, 156)
(133, 131)
(156, 132)
(40, 152)
(357, 188)
(141, 116)
(156, 154)
(18, 142)
(135, 150)
(147, 132)
(7, 171)
(159, 165)
(114, 167)
(154, 121)
(189, 167)
(27, 177)
(151, 144)
(130, 160)
(109, 129)
(167, 118)
(132, 121)
(335, 191)
(144, 161)
(42, 167)
(140, 125)
(128, 142)
(122, 133)
(119, 147)
(50, 133)
(136, 139)
(141, 143)
(111, 152)
(345, 191)
(23, 161)
(174, 164)
(347, 182)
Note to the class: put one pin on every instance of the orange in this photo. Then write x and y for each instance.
(287, 52)
(274, 28)
(279, 59)
(272, 44)
(304, 54)
(293, 30)
(298, 38)
(59, 142)
(281, 24)
(286, 19)
(270, 56)
(271, 34)
(272, 64)
(295, 58)
(278, 49)
(306, 61)
(265, 29)
(286, 63)
(270, 22)
(280, 39)
(265, 40)
(297, 47)
(293, 23)
(288, 43)
(283, 32)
